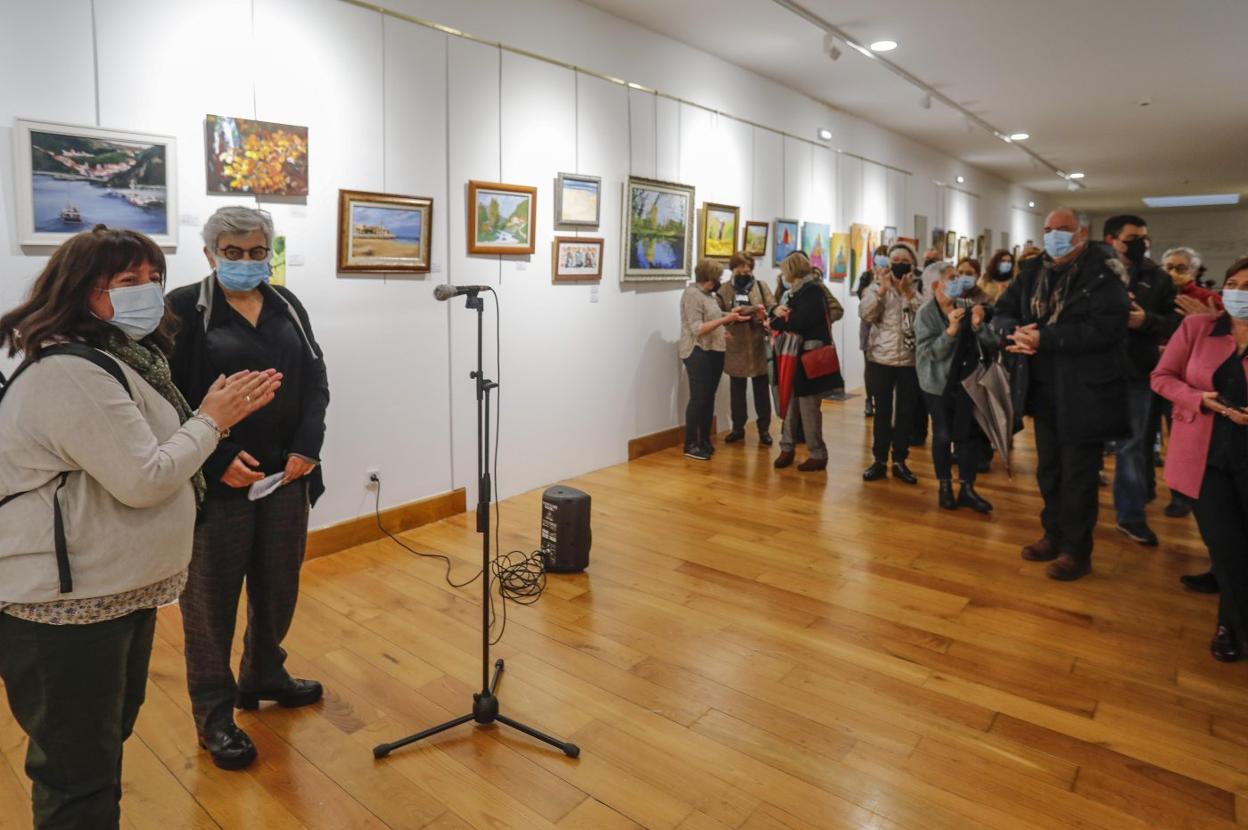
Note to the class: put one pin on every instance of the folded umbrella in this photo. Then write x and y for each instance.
(988, 386)
(787, 348)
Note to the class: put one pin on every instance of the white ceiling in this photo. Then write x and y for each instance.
(1069, 72)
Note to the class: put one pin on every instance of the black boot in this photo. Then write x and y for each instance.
(946, 499)
(967, 497)
(229, 746)
(902, 473)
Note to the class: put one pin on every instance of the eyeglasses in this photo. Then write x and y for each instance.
(1178, 269)
(235, 253)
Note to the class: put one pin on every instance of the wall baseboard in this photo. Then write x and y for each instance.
(663, 439)
(363, 529)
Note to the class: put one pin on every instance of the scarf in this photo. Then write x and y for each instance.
(1050, 293)
(153, 367)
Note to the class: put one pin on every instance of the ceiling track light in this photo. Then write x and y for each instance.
(925, 101)
(960, 179)
(883, 46)
(830, 48)
(825, 134)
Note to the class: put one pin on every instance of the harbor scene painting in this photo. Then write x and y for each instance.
(381, 232)
(658, 220)
(82, 177)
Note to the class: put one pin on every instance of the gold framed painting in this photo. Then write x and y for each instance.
(383, 233)
(576, 259)
(754, 238)
(501, 218)
(717, 236)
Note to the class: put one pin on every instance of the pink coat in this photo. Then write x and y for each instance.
(1184, 374)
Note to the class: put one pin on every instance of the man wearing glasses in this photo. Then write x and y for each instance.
(234, 318)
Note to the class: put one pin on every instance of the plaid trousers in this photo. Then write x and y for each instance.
(262, 542)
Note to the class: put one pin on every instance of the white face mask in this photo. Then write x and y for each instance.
(137, 309)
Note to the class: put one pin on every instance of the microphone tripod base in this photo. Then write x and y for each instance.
(484, 712)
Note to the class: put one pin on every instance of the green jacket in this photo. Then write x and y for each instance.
(934, 348)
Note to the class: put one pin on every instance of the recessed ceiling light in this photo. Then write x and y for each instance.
(1202, 200)
(825, 134)
(883, 46)
(1075, 176)
(1019, 136)
(960, 179)
(1031, 204)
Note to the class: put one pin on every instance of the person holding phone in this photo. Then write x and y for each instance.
(890, 305)
(879, 260)
(1204, 374)
(745, 360)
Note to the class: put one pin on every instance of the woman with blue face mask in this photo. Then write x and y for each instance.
(233, 320)
(951, 336)
(997, 275)
(97, 447)
(1204, 374)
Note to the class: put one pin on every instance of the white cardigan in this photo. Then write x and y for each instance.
(128, 503)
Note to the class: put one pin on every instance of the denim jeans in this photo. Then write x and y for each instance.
(1132, 455)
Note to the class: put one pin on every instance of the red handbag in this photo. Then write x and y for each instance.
(824, 360)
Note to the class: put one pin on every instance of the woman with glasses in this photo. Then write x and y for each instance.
(231, 321)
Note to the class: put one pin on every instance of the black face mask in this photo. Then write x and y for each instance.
(900, 269)
(1135, 250)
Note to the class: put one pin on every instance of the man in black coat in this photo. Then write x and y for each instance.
(1153, 319)
(1066, 316)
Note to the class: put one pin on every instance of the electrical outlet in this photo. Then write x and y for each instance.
(372, 478)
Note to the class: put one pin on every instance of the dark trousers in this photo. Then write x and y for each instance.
(262, 542)
(894, 419)
(1133, 457)
(1222, 516)
(76, 691)
(918, 433)
(1068, 475)
(762, 402)
(705, 369)
(969, 451)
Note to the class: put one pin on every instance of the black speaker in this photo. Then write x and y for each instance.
(566, 537)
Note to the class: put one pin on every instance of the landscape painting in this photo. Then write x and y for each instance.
(754, 242)
(71, 178)
(719, 230)
(578, 200)
(383, 233)
(786, 240)
(839, 256)
(888, 237)
(577, 259)
(815, 243)
(658, 225)
(500, 218)
(260, 157)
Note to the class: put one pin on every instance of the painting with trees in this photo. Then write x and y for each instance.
(658, 223)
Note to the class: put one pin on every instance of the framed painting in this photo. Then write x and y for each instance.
(815, 244)
(578, 200)
(277, 263)
(718, 237)
(951, 244)
(70, 178)
(938, 239)
(658, 230)
(920, 229)
(838, 255)
(888, 236)
(500, 218)
(576, 259)
(979, 247)
(964, 248)
(382, 233)
(913, 242)
(786, 240)
(260, 157)
(859, 249)
(754, 240)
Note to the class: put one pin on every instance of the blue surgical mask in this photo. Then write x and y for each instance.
(959, 286)
(1005, 267)
(1236, 302)
(242, 274)
(137, 309)
(1058, 244)
(881, 261)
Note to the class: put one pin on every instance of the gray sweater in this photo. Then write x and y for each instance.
(934, 349)
(128, 502)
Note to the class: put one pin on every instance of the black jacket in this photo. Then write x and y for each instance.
(808, 318)
(1086, 347)
(1155, 293)
(294, 423)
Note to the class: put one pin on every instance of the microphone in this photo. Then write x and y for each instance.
(446, 292)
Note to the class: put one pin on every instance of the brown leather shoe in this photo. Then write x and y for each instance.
(813, 465)
(1067, 568)
(1042, 551)
(785, 459)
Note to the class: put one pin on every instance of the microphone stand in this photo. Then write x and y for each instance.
(485, 708)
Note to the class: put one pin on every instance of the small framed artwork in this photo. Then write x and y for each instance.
(888, 237)
(70, 178)
(786, 240)
(577, 259)
(920, 228)
(382, 233)
(964, 248)
(754, 241)
(938, 239)
(245, 156)
(815, 237)
(718, 238)
(839, 256)
(951, 244)
(979, 247)
(578, 200)
(500, 218)
(658, 230)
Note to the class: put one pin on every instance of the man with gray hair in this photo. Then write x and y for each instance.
(1065, 315)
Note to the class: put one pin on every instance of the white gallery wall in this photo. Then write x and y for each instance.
(399, 107)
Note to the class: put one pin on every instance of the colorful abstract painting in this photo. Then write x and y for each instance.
(245, 156)
(815, 237)
(785, 241)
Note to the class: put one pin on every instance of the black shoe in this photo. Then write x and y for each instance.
(945, 495)
(708, 448)
(967, 497)
(875, 472)
(294, 694)
(1225, 645)
(1139, 532)
(985, 466)
(869, 410)
(734, 436)
(918, 441)
(1178, 509)
(902, 473)
(764, 439)
(697, 453)
(230, 747)
(1205, 583)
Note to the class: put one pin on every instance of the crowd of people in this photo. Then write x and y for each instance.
(1102, 346)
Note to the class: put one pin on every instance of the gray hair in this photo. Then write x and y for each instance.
(237, 220)
(1192, 256)
(1080, 216)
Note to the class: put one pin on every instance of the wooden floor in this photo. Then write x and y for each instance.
(748, 649)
